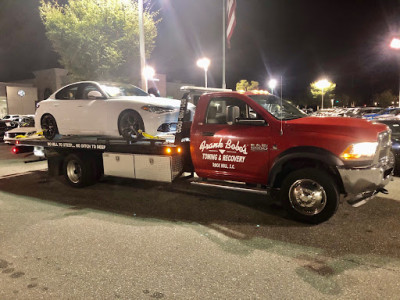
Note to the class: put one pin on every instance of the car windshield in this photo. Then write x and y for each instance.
(280, 109)
(122, 90)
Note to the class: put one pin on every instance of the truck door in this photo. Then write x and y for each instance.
(231, 151)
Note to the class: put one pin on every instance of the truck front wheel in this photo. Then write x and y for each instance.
(310, 195)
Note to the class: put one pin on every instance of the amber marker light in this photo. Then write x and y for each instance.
(168, 150)
(179, 150)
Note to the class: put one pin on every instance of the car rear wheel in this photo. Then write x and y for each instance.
(49, 127)
(310, 195)
(129, 124)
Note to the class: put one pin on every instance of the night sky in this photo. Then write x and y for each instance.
(296, 40)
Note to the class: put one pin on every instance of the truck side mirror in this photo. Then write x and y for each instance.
(232, 114)
(92, 95)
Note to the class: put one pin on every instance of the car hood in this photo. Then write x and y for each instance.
(350, 127)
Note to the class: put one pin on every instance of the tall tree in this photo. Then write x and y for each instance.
(244, 85)
(386, 98)
(327, 92)
(98, 39)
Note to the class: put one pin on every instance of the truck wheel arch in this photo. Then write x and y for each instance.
(301, 157)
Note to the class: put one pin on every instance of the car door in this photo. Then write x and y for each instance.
(236, 151)
(92, 112)
(63, 109)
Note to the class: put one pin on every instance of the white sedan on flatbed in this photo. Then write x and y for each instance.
(106, 109)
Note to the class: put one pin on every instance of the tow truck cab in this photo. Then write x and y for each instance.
(262, 140)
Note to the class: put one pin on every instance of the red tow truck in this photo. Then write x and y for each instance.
(250, 141)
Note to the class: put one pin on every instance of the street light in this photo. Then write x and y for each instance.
(272, 84)
(395, 44)
(321, 85)
(149, 72)
(204, 63)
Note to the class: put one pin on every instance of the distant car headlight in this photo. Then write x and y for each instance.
(157, 109)
(360, 151)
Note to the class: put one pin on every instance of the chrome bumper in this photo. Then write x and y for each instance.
(362, 184)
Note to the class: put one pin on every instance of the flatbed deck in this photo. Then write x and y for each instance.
(101, 144)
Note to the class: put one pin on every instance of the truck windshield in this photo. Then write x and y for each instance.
(280, 109)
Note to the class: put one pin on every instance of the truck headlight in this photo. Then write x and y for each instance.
(157, 109)
(360, 151)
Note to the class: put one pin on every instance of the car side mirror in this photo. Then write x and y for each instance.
(232, 114)
(92, 95)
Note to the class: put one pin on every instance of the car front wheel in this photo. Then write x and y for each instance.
(129, 124)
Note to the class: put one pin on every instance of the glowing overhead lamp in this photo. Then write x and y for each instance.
(204, 63)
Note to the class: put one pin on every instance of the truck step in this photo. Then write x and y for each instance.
(240, 187)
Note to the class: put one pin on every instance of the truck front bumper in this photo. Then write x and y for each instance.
(362, 184)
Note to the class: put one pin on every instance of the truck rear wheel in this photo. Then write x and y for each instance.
(310, 195)
(80, 170)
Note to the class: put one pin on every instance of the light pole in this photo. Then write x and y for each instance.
(141, 45)
(321, 85)
(204, 63)
(395, 44)
(272, 84)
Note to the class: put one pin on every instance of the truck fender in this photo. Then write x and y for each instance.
(303, 154)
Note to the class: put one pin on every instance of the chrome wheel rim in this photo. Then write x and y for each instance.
(74, 171)
(307, 197)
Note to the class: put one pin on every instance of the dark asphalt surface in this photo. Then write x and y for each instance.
(127, 239)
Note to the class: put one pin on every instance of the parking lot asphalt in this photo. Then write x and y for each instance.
(128, 239)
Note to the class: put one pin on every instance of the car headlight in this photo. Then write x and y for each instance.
(360, 151)
(157, 109)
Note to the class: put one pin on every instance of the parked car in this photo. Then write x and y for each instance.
(394, 125)
(6, 125)
(391, 115)
(326, 112)
(107, 109)
(376, 115)
(26, 127)
(360, 112)
(11, 117)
